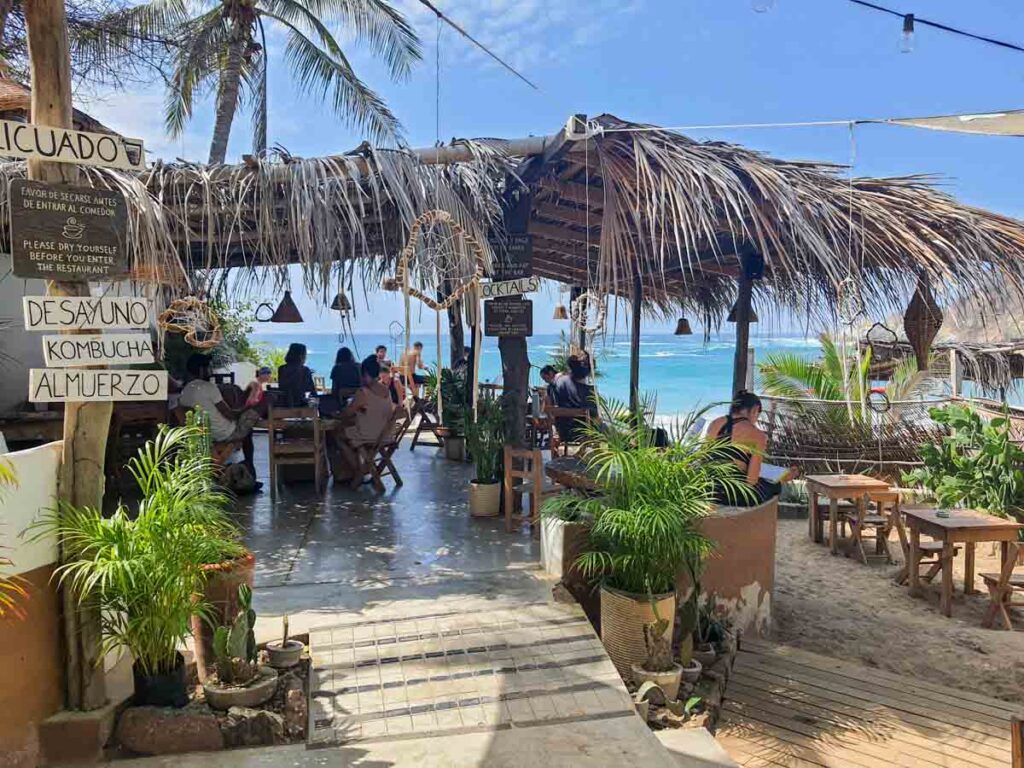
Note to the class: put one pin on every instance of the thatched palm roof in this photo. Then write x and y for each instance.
(624, 198)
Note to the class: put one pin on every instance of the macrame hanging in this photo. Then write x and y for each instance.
(193, 318)
(922, 322)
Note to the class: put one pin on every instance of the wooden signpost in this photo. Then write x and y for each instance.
(67, 233)
(63, 145)
(98, 349)
(61, 385)
(508, 317)
(513, 257)
(494, 290)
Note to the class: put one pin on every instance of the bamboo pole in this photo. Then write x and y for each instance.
(86, 425)
(744, 296)
(634, 347)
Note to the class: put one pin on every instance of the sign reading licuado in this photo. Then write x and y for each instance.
(67, 233)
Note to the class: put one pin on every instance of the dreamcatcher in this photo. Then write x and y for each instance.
(193, 318)
(588, 314)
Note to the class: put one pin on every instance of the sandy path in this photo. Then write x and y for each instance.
(839, 607)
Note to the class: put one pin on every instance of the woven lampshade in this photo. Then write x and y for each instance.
(286, 311)
(921, 322)
(732, 315)
(683, 327)
(341, 303)
(561, 313)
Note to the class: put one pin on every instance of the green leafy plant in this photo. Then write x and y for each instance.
(712, 625)
(12, 587)
(270, 356)
(692, 703)
(144, 569)
(976, 465)
(485, 439)
(453, 395)
(643, 526)
(234, 647)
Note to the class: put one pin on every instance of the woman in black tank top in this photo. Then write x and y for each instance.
(744, 409)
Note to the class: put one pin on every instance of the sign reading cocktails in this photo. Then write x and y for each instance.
(63, 145)
(67, 233)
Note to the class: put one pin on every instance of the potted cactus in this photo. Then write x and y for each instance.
(239, 680)
(659, 667)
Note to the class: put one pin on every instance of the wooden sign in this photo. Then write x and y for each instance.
(85, 313)
(508, 317)
(67, 233)
(98, 349)
(513, 257)
(61, 385)
(63, 145)
(494, 290)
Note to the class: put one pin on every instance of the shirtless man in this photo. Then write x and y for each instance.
(409, 363)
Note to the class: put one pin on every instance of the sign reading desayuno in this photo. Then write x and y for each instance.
(98, 349)
(495, 290)
(513, 257)
(67, 233)
(61, 385)
(85, 313)
(63, 145)
(508, 317)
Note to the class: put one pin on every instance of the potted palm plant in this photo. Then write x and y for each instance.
(454, 403)
(144, 570)
(644, 523)
(485, 438)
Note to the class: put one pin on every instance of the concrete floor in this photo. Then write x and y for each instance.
(343, 550)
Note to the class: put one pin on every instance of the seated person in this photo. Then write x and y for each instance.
(572, 391)
(363, 421)
(394, 384)
(256, 392)
(746, 446)
(226, 425)
(294, 379)
(548, 374)
(345, 374)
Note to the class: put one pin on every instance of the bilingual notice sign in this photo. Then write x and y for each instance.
(67, 233)
(508, 317)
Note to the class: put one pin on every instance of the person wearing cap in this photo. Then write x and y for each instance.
(256, 392)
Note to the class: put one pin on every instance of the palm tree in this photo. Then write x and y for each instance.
(223, 43)
(835, 376)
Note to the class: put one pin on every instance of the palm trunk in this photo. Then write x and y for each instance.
(227, 97)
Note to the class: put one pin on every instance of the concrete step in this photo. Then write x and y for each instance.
(695, 748)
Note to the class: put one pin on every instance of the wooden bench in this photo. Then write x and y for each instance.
(1003, 586)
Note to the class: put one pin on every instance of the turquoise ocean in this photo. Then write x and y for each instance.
(682, 372)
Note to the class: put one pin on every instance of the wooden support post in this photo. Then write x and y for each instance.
(1017, 741)
(515, 358)
(634, 346)
(956, 374)
(749, 386)
(86, 425)
(743, 305)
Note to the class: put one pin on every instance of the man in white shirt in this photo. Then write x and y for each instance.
(226, 425)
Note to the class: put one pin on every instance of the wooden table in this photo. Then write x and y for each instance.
(571, 472)
(836, 488)
(962, 526)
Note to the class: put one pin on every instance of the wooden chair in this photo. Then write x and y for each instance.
(862, 520)
(380, 462)
(295, 436)
(556, 414)
(428, 421)
(529, 478)
(1003, 586)
(931, 553)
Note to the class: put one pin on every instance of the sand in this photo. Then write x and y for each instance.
(839, 607)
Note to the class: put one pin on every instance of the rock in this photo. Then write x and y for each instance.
(245, 727)
(296, 713)
(561, 594)
(167, 731)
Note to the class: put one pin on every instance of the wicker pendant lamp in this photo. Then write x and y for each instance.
(683, 327)
(732, 315)
(922, 321)
(341, 303)
(286, 311)
(561, 313)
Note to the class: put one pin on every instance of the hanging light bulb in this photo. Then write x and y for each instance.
(907, 38)
(683, 327)
(762, 6)
(561, 313)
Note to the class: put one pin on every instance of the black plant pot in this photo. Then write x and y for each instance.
(161, 689)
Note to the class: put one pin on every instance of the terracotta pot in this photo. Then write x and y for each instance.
(252, 695)
(221, 594)
(623, 616)
(667, 681)
(484, 499)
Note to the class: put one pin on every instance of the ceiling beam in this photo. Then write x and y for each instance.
(568, 215)
(573, 192)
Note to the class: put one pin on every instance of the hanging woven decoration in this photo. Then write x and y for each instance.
(458, 235)
(922, 321)
(193, 318)
(581, 309)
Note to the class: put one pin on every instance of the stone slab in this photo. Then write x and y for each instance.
(695, 748)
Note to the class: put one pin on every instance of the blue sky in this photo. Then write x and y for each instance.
(677, 63)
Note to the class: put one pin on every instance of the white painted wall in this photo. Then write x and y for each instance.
(36, 470)
(24, 347)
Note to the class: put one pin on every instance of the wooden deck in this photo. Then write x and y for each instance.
(787, 707)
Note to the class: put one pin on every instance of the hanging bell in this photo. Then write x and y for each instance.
(341, 303)
(732, 315)
(286, 311)
(683, 327)
(561, 313)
